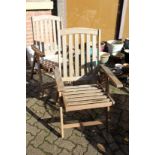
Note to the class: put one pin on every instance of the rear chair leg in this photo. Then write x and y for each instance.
(107, 116)
(61, 122)
(32, 70)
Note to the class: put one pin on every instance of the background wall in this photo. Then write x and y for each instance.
(29, 14)
(101, 14)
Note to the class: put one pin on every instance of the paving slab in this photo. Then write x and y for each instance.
(43, 126)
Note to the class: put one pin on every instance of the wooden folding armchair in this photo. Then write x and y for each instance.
(46, 36)
(81, 68)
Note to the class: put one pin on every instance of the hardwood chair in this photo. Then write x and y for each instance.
(81, 68)
(46, 36)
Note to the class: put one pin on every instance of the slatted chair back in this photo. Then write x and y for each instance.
(46, 33)
(80, 52)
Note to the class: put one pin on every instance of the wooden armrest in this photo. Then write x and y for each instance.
(37, 51)
(58, 79)
(111, 76)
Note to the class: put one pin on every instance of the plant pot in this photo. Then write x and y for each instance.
(126, 43)
(114, 46)
(104, 57)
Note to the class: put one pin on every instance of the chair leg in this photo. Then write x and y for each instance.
(61, 122)
(107, 117)
(40, 78)
(32, 70)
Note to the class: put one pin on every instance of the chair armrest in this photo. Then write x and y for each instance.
(111, 76)
(37, 51)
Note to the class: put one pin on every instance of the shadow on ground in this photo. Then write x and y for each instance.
(43, 125)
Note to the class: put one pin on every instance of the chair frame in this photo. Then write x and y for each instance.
(106, 75)
(78, 41)
(46, 32)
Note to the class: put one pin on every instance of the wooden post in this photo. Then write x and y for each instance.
(61, 122)
(107, 116)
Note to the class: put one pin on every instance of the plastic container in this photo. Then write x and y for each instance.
(104, 57)
(114, 46)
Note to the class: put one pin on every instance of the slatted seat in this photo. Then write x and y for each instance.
(88, 96)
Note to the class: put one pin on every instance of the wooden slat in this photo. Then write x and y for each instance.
(77, 125)
(87, 100)
(81, 89)
(42, 35)
(76, 55)
(71, 73)
(64, 56)
(84, 95)
(79, 31)
(82, 92)
(99, 43)
(94, 51)
(46, 17)
(35, 33)
(38, 34)
(88, 53)
(61, 122)
(71, 78)
(59, 46)
(112, 77)
(46, 33)
(51, 34)
(88, 106)
(80, 86)
(54, 33)
(82, 55)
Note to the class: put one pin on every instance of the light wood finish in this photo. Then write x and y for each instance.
(45, 32)
(59, 26)
(54, 35)
(80, 53)
(61, 122)
(82, 92)
(58, 79)
(47, 42)
(71, 70)
(80, 89)
(95, 51)
(77, 125)
(80, 86)
(64, 45)
(88, 53)
(85, 95)
(112, 77)
(79, 30)
(76, 55)
(86, 99)
(79, 44)
(88, 106)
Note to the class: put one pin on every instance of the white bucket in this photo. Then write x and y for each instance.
(114, 46)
